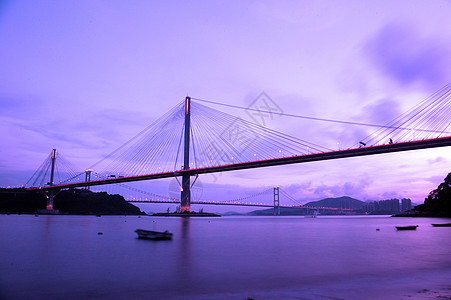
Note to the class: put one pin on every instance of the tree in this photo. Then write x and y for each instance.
(439, 200)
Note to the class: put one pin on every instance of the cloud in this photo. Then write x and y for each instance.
(402, 54)
(436, 180)
(308, 191)
(352, 189)
(24, 107)
(382, 112)
(439, 159)
(390, 195)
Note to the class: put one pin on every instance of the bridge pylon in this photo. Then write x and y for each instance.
(88, 178)
(52, 175)
(185, 205)
(276, 201)
(50, 194)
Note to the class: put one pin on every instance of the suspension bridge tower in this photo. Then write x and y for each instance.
(186, 187)
(51, 192)
(276, 201)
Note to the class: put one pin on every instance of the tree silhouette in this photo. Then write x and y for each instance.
(439, 200)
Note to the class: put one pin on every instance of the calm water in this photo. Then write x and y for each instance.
(55, 257)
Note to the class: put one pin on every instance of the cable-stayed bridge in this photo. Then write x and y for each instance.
(193, 139)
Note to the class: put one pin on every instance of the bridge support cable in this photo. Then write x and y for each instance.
(146, 134)
(427, 120)
(315, 118)
(153, 150)
(264, 195)
(54, 170)
(133, 194)
(223, 139)
(38, 174)
(66, 171)
(296, 202)
(130, 193)
(215, 138)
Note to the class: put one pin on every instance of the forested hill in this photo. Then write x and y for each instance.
(340, 202)
(74, 201)
(438, 202)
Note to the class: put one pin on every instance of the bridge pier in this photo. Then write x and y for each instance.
(185, 205)
(50, 201)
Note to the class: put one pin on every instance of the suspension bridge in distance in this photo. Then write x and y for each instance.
(184, 145)
(275, 195)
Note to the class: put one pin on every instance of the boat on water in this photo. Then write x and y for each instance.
(411, 227)
(314, 215)
(153, 235)
(442, 225)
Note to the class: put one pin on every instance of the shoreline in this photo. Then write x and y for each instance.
(69, 214)
(185, 215)
(421, 215)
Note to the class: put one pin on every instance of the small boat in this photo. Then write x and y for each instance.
(153, 235)
(314, 215)
(442, 225)
(412, 227)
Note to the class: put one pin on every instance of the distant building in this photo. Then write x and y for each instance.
(383, 207)
(406, 204)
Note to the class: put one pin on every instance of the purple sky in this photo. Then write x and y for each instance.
(85, 76)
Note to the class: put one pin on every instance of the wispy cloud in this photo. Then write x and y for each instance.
(436, 160)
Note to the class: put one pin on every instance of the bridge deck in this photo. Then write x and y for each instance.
(389, 148)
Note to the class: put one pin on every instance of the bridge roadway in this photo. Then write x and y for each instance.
(371, 150)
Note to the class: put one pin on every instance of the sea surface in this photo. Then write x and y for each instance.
(352, 257)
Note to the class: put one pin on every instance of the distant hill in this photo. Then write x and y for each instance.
(284, 211)
(340, 202)
(74, 201)
(231, 213)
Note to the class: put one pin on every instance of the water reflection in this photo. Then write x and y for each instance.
(250, 257)
(184, 259)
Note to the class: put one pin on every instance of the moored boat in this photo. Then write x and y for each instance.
(153, 235)
(411, 227)
(442, 225)
(314, 215)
